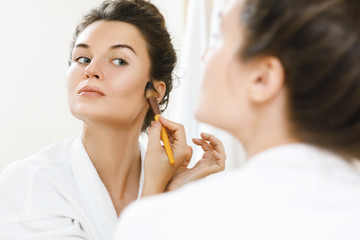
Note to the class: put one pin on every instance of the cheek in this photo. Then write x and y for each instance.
(126, 92)
(214, 90)
(128, 86)
(124, 101)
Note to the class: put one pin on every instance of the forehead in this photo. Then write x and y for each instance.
(232, 29)
(231, 12)
(107, 33)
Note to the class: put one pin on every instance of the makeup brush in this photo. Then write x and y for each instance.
(150, 94)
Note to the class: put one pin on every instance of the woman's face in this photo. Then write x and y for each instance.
(222, 100)
(108, 74)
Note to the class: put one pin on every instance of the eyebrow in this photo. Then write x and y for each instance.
(83, 45)
(123, 46)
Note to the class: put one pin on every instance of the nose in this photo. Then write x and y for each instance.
(93, 71)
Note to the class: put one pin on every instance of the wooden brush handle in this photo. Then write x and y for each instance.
(154, 105)
(165, 140)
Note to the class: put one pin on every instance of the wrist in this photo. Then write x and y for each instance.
(151, 188)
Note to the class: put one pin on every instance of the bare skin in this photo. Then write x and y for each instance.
(106, 82)
(253, 104)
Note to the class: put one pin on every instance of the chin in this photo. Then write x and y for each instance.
(206, 115)
(214, 118)
(200, 112)
(86, 114)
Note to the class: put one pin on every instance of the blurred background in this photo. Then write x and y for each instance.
(35, 36)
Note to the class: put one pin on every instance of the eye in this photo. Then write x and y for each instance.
(83, 60)
(119, 62)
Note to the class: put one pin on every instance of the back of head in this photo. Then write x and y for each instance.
(318, 43)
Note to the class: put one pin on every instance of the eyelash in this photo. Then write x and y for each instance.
(122, 61)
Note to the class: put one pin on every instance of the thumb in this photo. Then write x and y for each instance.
(154, 135)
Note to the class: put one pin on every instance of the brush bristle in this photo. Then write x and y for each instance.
(150, 91)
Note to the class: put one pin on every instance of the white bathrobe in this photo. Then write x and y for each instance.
(56, 194)
(291, 192)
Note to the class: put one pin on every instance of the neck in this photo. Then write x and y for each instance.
(115, 154)
(273, 138)
(267, 128)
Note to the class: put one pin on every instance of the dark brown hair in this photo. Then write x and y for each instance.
(318, 43)
(151, 24)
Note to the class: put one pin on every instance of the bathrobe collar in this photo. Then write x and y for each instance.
(92, 191)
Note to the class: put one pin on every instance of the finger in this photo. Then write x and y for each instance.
(197, 141)
(170, 135)
(204, 144)
(177, 129)
(187, 161)
(214, 142)
(207, 167)
(218, 157)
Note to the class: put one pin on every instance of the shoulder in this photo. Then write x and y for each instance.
(21, 171)
(161, 216)
(24, 182)
(253, 198)
(52, 154)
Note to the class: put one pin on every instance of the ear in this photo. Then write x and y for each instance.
(160, 87)
(268, 80)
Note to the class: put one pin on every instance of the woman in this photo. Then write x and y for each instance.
(284, 79)
(75, 189)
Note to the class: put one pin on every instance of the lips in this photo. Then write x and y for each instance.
(90, 91)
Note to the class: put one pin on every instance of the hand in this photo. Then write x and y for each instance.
(212, 161)
(158, 170)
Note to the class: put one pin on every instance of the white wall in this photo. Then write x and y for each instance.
(34, 46)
